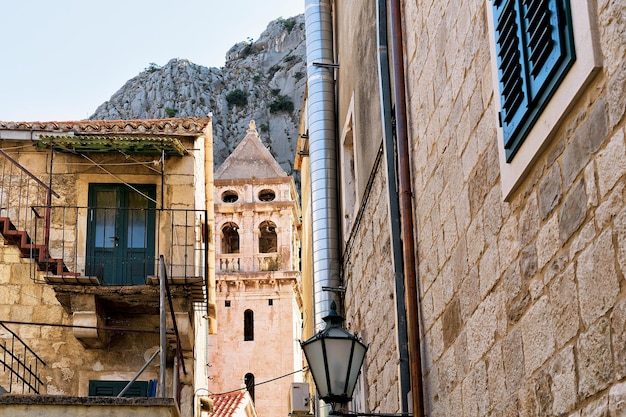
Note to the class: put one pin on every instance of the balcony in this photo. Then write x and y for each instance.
(118, 247)
(259, 262)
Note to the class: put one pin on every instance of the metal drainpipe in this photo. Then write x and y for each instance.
(406, 208)
(393, 203)
(323, 156)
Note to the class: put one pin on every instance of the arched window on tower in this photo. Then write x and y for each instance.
(230, 238)
(268, 240)
(248, 325)
(249, 381)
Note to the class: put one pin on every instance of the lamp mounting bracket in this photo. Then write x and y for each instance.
(334, 289)
(325, 65)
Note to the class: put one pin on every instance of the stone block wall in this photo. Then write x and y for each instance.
(522, 301)
(370, 300)
(273, 351)
(69, 366)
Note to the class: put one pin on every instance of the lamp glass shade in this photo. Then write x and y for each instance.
(335, 358)
(355, 369)
(314, 353)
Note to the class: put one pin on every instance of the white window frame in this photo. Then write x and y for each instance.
(587, 63)
(349, 172)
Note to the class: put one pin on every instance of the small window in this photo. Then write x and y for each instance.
(230, 238)
(227, 303)
(248, 325)
(99, 388)
(249, 381)
(230, 196)
(270, 302)
(267, 195)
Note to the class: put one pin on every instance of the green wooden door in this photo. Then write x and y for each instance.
(120, 233)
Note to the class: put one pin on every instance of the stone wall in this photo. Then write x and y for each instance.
(41, 314)
(68, 365)
(370, 299)
(274, 350)
(522, 301)
(56, 406)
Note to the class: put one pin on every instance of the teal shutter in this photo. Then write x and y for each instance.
(534, 48)
(511, 68)
(99, 388)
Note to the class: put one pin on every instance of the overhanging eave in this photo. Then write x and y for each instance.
(130, 145)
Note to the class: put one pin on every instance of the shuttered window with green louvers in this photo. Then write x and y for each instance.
(99, 388)
(535, 49)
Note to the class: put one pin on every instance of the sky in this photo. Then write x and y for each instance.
(61, 59)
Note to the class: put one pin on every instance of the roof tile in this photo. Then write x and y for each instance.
(171, 126)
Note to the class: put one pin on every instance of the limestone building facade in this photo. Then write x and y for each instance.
(258, 301)
(95, 215)
(510, 197)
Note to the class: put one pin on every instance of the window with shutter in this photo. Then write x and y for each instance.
(100, 388)
(534, 48)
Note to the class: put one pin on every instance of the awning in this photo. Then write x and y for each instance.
(131, 145)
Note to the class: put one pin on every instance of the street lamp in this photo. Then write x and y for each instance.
(335, 357)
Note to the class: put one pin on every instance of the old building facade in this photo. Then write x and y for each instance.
(96, 215)
(517, 233)
(258, 301)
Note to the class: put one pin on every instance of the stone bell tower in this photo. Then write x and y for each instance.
(258, 301)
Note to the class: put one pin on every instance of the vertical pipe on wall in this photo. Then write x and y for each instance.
(406, 207)
(162, 321)
(323, 156)
(393, 203)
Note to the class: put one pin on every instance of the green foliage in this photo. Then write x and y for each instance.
(290, 58)
(288, 24)
(298, 75)
(152, 67)
(247, 50)
(257, 77)
(282, 103)
(171, 112)
(275, 91)
(237, 98)
(264, 128)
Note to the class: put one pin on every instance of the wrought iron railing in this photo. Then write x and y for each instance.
(118, 246)
(19, 191)
(20, 367)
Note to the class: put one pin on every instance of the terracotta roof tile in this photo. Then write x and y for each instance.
(188, 126)
(229, 405)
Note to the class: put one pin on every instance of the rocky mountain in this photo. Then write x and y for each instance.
(262, 80)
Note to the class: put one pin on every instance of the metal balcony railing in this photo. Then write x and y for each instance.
(20, 367)
(119, 246)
